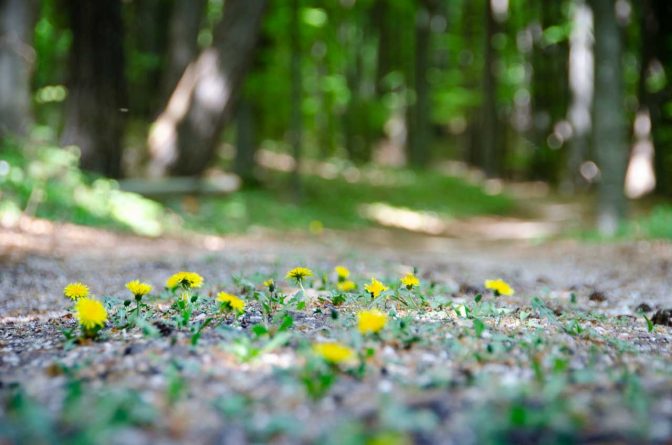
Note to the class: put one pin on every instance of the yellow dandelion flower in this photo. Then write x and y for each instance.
(499, 286)
(342, 272)
(371, 321)
(270, 284)
(231, 302)
(410, 281)
(91, 314)
(76, 290)
(299, 273)
(185, 279)
(333, 352)
(138, 288)
(346, 286)
(375, 287)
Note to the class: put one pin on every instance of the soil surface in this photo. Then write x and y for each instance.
(570, 358)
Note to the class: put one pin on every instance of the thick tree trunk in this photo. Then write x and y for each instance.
(183, 140)
(147, 28)
(96, 86)
(609, 130)
(185, 24)
(656, 55)
(16, 61)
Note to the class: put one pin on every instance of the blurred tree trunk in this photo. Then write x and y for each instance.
(357, 141)
(96, 86)
(472, 16)
(147, 27)
(609, 130)
(548, 98)
(419, 114)
(185, 24)
(581, 86)
(183, 140)
(488, 137)
(296, 96)
(245, 142)
(16, 62)
(656, 58)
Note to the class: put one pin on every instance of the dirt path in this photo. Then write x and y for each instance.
(582, 367)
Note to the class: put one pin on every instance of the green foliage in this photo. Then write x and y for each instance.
(340, 204)
(45, 181)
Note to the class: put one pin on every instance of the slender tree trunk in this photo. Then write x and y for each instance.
(296, 121)
(419, 128)
(16, 61)
(609, 131)
(183, 139)
(245, 142)
(185, 24)
(548, 98)
(489, 136)
(96, 86)
(581, 86)
(471, 16)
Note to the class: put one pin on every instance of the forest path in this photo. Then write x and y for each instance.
(41, 257)
(590, 357)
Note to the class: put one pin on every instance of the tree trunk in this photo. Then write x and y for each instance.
(419, 129)
(147, 32)
(185, 24)
(581, 86)
(656, 55)
(183, 140)
(245, 142)
(609, 131)
(549, 61)
(16, 61)
(296, 121)
(96, 85)
(488, 129)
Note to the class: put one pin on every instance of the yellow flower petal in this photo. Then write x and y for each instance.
(371, 321)
(334, 352)
(76, 290)
(499, 286)
(90, 313)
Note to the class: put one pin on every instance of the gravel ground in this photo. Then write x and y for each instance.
(578, 364)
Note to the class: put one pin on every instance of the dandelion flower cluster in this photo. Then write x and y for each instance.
(187, 280)
(231, 302)
(410, 281)
(375, 288)
(91, 314)
(499, 287)
(299, 273)
(333, 352)
(371, 321)
(138, 288)
(76, 290)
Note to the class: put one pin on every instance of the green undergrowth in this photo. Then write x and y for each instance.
(44, 181)
(340, 204)
(654, 224)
